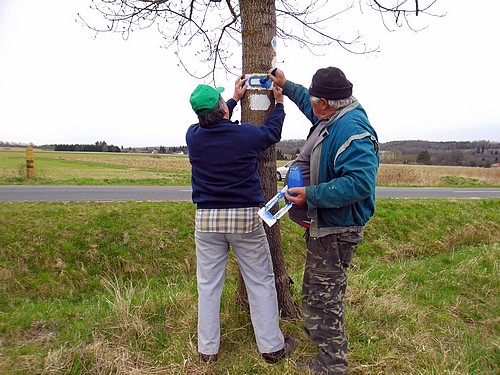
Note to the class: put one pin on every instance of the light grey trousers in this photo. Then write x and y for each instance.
(254, 260)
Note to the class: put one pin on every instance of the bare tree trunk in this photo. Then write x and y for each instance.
(258, 30)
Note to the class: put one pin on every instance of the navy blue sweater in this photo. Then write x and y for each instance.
(224, 162)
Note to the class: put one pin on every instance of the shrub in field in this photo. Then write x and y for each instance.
(459, 181)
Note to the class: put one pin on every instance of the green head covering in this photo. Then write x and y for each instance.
(204, 98)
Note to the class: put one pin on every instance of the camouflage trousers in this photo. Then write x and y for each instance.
(323, 289)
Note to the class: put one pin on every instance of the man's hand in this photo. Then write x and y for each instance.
(278, 94)
(278, 78)
(240, 86)
(299, 197)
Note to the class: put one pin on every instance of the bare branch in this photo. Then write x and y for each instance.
(402, 10)
(210, 30)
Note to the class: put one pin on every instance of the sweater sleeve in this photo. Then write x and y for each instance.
(231, 104)
(271, 129)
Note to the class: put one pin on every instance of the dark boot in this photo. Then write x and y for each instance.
(208, 358)
(287, 349)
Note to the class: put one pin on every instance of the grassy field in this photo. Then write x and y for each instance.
(95, 168)
(110, 288)
(84, 168)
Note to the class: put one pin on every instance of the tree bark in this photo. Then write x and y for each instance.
(258, 30)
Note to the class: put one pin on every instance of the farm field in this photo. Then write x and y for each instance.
(95, 168)
(79, 168)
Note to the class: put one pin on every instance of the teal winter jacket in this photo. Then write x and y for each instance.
(343, 165)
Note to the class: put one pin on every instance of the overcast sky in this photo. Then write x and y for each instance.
(59, 84)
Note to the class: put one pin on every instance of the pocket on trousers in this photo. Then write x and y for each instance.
(347, 245)
(346, 253)
(326, 288)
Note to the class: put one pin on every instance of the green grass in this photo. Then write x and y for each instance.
(100, 288)
(94, 168)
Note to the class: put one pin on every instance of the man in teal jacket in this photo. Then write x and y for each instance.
(339, 162)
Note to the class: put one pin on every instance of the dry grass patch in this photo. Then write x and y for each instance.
(432, 315)
(105, 357)
(430, 175)
(165, 163)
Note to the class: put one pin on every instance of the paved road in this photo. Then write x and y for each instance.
(93, 193)
(394, 192)
(17, 193)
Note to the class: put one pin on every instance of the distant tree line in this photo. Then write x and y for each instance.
(414, 147)
(99, 146)
(177, 150)
(15, 144)
(157, 150)
(289, 149)
(452, 153)
(464, 154)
